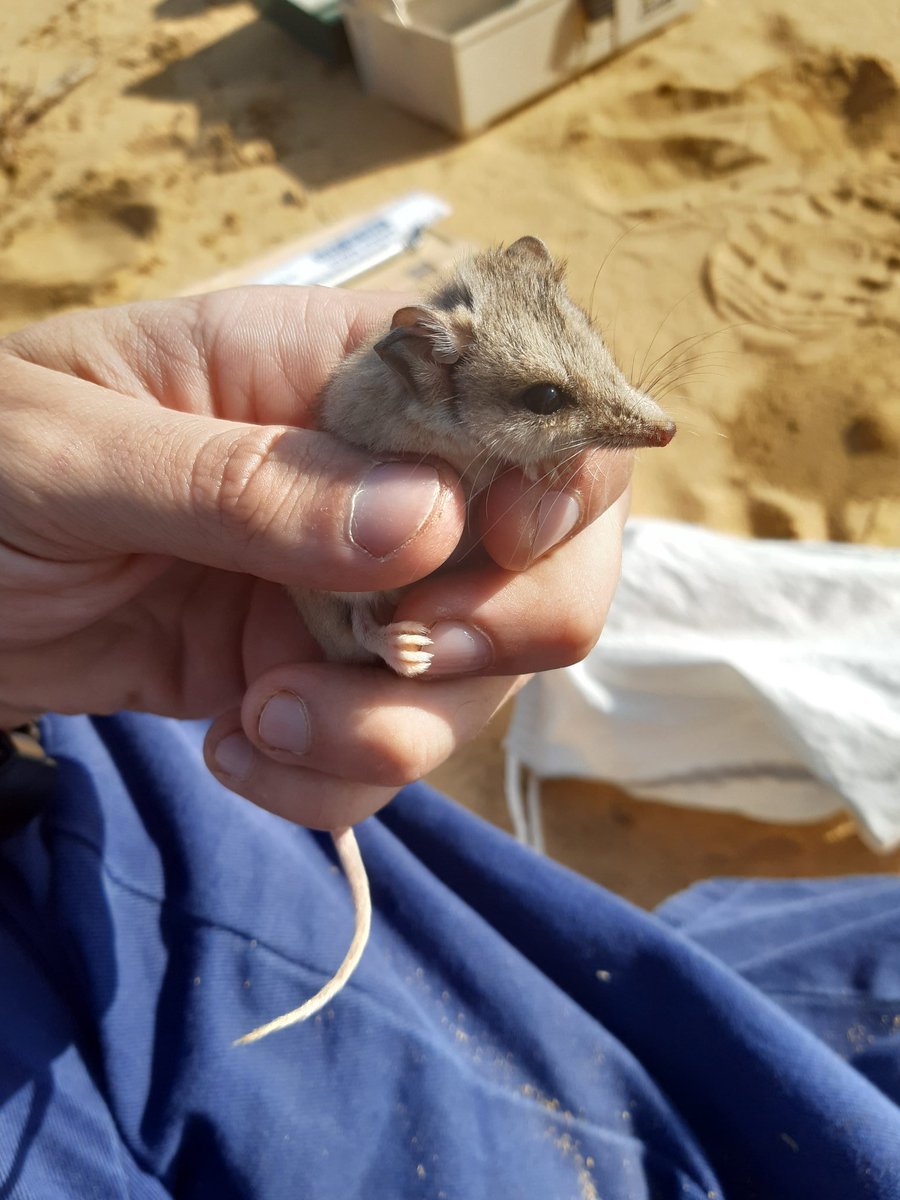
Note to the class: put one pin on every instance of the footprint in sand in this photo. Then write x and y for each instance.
(809, 262)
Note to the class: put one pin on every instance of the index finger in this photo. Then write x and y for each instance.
(250, 354)
(520, 520)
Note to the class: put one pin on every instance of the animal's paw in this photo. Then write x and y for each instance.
(406, 648)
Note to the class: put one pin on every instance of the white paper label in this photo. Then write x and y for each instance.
(376, 240)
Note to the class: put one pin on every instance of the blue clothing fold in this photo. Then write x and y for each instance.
(513, 1030)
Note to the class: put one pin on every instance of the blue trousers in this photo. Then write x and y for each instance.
(513, 1030)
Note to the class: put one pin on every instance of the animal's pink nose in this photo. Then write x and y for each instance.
(660, 435)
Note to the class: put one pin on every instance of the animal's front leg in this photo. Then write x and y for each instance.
(403, 645)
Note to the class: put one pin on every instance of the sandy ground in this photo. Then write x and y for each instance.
(735, 179)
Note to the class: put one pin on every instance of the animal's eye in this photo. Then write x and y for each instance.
(545, 398)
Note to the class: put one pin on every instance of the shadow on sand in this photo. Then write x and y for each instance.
(262, 84)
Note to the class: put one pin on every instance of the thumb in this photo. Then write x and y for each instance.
(286, 504)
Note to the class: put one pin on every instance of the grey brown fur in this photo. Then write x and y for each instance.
(448, 379)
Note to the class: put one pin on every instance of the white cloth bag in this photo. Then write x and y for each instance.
(755, 677)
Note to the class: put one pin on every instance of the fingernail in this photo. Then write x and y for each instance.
(234, 756)
(457, 649)
(284, 723)
(392, 504)
(557, 515)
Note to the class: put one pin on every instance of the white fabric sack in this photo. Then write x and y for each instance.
(746, 676)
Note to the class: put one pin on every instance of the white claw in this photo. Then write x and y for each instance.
(411, 670)
(406, 651)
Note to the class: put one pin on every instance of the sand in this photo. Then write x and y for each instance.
(727, 194)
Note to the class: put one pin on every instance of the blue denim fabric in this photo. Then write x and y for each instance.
(512, 1032)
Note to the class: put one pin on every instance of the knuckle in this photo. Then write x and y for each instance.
(399, 759)
(226, 481)
(576, 634)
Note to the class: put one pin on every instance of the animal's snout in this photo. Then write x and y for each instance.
(658, 435)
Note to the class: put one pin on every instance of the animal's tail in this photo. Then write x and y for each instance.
(351, 860)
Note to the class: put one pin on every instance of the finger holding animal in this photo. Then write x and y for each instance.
(327, 745)
(304, 725)
(520, 520)
(486, 620)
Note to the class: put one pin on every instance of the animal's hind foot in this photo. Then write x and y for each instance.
(405, 647)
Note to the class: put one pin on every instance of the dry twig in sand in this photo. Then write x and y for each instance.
(23, 107)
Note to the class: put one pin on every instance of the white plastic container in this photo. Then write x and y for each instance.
(464, 63)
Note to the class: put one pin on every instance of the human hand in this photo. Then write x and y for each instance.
(159, 482)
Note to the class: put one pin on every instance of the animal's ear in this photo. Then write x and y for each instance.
(421, 337)
(529, 247)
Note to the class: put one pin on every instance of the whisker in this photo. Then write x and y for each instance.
(680, 364)
(661, 326)
(678, 383)
(673, 355)
(608, 255)
(694, 338)
(677, 366)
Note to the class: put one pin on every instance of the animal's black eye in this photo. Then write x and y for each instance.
(545, 398)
